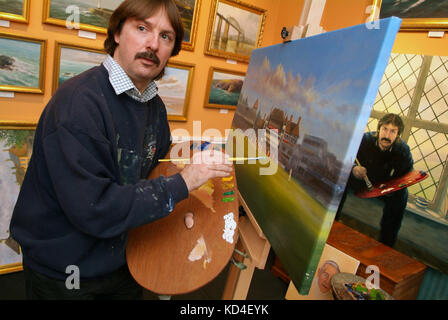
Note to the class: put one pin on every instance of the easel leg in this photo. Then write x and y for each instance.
(238, 281)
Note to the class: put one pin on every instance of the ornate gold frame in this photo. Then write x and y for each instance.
(209, 50)
(190, 68)
(57, 59)
(209, 87)
(14, 125)
(413, 24)
(24, 17)
(43, 48)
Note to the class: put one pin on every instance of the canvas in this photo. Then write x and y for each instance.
(305, 104)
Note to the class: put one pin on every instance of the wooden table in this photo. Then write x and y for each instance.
(400, 275)
(157, 253)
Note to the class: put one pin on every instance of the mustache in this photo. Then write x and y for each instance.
(150, 55)
(386, 139)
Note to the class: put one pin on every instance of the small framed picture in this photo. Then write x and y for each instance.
(91, 15)
(71, 60)
(189, 12)
(15, 10)
(174, 89)
(22, 63)
(416, 15)
(234, 29)
(16, 146)
(223, 88)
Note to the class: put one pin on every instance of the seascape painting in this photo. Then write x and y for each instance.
(12, 6)
(74, 61)
(94, 13)
(224, 88)
(174, 89)
(15, 152)
(414, 8)
(20, 63)
(305, 104)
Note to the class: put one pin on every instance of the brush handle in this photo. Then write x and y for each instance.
(366, 179)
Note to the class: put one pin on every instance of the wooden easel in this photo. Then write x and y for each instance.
(253, 242)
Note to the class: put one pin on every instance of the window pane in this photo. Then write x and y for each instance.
(429, 150)
(434, 103)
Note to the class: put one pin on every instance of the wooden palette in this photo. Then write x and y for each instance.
(381, 189)
(158, 253)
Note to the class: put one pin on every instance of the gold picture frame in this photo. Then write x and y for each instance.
(247, 21)
(80, 59)
(13, 13)
(223, 88)
(22, 68)
(412, 24)
(15, 152)
(55, 13)
(175, 88)
(190, 18)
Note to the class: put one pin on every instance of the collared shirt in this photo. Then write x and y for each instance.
(121, 82)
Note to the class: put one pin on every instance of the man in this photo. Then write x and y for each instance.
(96, 142)
(383, 156)
(325, 273)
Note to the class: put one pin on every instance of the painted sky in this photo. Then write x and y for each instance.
(323, 79)
(174, 82)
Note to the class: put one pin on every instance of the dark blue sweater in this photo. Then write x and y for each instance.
(86, 186)
(383, 165)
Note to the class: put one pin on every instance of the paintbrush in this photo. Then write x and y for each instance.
(230, 159)
(366, 179)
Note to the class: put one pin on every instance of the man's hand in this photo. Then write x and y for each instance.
(204, 166)
(359, 172)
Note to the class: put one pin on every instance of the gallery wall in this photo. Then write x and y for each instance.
(26, 107)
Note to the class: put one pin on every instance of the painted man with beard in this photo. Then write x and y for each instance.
(383, 155)
(97, 140)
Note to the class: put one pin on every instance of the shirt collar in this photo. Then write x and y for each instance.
(121, 82)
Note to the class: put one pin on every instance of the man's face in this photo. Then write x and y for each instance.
(387, 136)
(144, 47)
(328, 271)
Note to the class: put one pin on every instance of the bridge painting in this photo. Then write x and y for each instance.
(236, 30)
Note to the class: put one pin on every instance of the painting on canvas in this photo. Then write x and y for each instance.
(305, 105)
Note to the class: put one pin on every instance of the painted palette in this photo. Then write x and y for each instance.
(382, 189)
(175, 255)
(305, 104)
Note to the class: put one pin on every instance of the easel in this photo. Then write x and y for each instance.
(253, 242)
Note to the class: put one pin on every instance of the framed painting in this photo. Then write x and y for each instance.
(234, 29)
(189, 12)
(16, 145)
(89, 15)
(22, 63)
(15, 10)
(174, 89)
(306, 120)
(71, 60)
(416, 14)
(223, 88)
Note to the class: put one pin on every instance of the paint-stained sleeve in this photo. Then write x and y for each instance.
(82, 172)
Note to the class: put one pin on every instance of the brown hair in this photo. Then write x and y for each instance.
(394, 119)
(141, 10)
